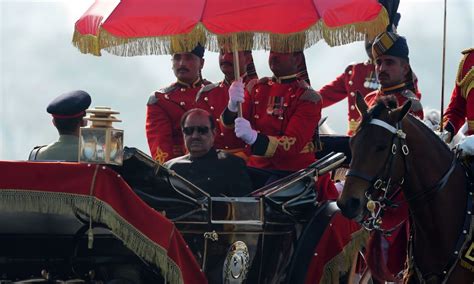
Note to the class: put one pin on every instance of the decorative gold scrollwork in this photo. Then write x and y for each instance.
(161, 155)
(213, 236)
(286, 142)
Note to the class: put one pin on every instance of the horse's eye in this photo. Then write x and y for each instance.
(380, 148)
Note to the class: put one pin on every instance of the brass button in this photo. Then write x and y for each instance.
(350, 83)
(256, 116)
(352, 107)
(206, 99)
(183, 89)
(352, 94)
(350, 72)
(212, 108)
(182, 103)
(167, 97)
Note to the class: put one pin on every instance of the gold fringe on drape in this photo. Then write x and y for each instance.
(246, 40)
(343, 261)
(66, 204)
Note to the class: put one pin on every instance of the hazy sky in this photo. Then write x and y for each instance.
(38, 62)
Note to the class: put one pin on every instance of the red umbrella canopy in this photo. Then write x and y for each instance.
(141, 27)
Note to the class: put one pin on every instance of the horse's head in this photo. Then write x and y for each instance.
(374, 165)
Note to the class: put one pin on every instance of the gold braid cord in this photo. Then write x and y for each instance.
(343, 261)
(341, 35)
(466, 83)
(66, 204)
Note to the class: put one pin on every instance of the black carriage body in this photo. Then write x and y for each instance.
(271, 222)
(261, 238)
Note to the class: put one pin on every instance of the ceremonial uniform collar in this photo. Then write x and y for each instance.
(227, 82)
(397, 88)
(209, 155)
(285, 79)
(67, 138)
(195, 84)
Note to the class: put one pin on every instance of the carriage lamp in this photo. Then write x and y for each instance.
(99, 142)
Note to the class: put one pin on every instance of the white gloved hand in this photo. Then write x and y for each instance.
(445, 136)
(432, 118)
(236, 95)
(431, 125)
(466, 146)
(244, 130)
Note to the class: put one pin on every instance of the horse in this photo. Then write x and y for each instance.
(392, 150)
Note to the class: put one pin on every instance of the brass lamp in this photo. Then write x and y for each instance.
(100, 143)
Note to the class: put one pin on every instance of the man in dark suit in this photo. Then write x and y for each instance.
(215, 171)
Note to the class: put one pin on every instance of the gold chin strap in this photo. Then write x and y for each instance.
(388, 89)
(280, 79)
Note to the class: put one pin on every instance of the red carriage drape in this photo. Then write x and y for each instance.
(61, 188)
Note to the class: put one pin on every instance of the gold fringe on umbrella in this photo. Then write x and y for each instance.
(343, 261)
(12, 200)
(246, 40)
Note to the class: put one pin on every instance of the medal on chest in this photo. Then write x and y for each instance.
(371, 81)
(276, 106)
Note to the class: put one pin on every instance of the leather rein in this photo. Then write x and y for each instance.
(382, 190)
(380, 196)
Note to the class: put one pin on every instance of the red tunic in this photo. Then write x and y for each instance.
(285, 115)
(461, 106)
(164, 110)
(402, 94)
(357, 77)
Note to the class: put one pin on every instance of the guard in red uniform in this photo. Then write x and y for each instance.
(166, 106)
(392, 66)
(214, 98)
(461, 106)
(280, 115)
(390, 53)
(283, 109)
(357, 77)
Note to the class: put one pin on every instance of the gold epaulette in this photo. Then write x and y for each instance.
(311, 95)
(465, 51)
(263, 80)
(466, 82)
(152, 99)
(249, 86)
(206, 89)
(168, 89)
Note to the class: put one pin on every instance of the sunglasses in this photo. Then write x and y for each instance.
(200, 129)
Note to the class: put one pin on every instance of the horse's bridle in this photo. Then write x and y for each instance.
(381, 183)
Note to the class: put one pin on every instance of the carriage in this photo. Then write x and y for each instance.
(100, 224)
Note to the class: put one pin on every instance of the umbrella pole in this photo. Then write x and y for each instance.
(235, 51)
(442, 70)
